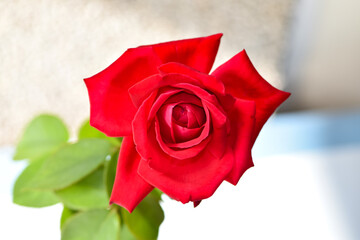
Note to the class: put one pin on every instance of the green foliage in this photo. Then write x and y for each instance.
(87, 131)
(32, 198)
(92, 225)
(110, 228)
(65, 215)
(126, 234)
(43, 135)
(71, 163)
(145, 220)
(110, 171)
(156, 193)
(89, 193)
(80, 175)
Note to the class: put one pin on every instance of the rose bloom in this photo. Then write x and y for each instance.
(185, 131)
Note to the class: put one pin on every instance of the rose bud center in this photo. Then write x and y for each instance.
(181, 118)
(188, 115)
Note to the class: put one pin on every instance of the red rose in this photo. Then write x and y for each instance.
(185, 131)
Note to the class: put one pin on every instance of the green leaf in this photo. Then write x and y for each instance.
(65, 215)
(32, 198)
(89, 193)
(92, 225)
(71, 163)
(156, 193)
(110, 171)
(126, 234)
(145, 220)
(43, 135)
(87, 131)
(110, 228)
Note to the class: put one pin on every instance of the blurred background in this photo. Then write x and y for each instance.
(306, 183)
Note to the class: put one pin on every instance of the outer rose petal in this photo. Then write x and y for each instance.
(243, 81)
(111, 110)
(242, 119)
(129, 188)
(198, 53)
(191, 181)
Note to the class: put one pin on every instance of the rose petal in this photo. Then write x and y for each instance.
(140, 91)
(184, 134)
(209, 82)
(198, 53)
(141, 125)
(111, 110)
(165, 119)
(185, 97)
(197, 114)
(242, 118)
(164, 95)
(174, 151)
(129, 188)
(243, 81)
(179, 114)
(189, 115)
(190, 180)
(205, 96)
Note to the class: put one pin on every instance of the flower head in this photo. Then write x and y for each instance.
(185, 131)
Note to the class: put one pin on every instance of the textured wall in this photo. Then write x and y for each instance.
(48, 47)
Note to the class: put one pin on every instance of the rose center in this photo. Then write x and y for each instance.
(189, 115)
